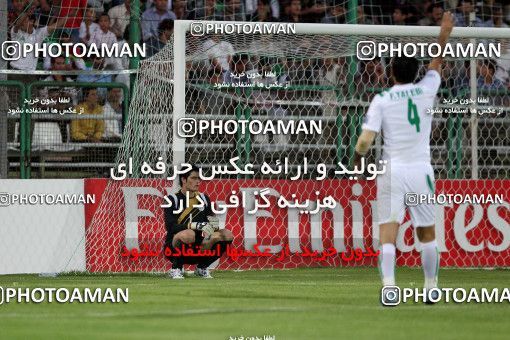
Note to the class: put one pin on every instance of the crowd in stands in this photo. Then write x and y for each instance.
(107, 22)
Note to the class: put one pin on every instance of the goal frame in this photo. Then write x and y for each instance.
(181, 27)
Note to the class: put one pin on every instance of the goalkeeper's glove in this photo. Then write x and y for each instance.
(205, 227)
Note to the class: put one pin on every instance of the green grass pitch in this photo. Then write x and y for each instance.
(312, 303)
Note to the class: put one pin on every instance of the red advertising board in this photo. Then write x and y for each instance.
(128, 213)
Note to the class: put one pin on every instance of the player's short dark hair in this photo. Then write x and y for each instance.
(404, 69)
(104, 15)
(185, 175)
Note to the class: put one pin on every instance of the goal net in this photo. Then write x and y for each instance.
(305, 78)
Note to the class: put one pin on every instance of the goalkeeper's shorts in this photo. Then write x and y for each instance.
(195, 246)
(395, 189)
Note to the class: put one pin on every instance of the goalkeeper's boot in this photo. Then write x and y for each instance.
(176, 274)
(203, 273)
(433, 294)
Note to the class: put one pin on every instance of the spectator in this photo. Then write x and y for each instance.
(215, 75)
(15, 12)
(486, 76)
(233, 11)
(44, 12)
(219, 52)
(212, 103)
(103, 35)
(57, 93)
(293, 12)
(363, 19)
(330, 75)
(486, 14)
(503, 67)
(423, 8)
(372, 79)
(121, 63)
(88, 130)
(313, 10)
(48, 134)
(262, 10)
(272, 73)
(112, 112)
(427, 19)
(497, 16)
(97, 5)
(412, 16)
(150, 3)
(335, 15)
(25, 32)
(120, 16)
(153, 16)
(72, 62)
(462, 15)
(437, 15)
(207, 12)
(455, 76)
(400, 15)
(97, 64)
(165, 29)
(489, 85)
(72, 11)
(59, 64)
(238, 71)
(88, 26)
(179, 9)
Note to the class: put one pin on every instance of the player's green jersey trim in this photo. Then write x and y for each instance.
(430, 184)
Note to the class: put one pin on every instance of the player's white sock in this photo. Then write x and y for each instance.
(430, 263)
(387, 264)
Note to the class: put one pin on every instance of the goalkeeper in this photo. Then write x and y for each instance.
(188, 224)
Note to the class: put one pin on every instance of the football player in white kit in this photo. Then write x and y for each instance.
(400, 114)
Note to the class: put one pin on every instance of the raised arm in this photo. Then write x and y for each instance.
(447, 24)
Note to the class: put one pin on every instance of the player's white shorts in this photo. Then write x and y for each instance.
(392, 187)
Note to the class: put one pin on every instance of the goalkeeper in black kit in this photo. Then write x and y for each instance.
(193, 224)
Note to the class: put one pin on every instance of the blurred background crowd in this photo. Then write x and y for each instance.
(108, 22)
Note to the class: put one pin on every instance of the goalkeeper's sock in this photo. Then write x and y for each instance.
(177, 261)
(387, 264)
(430, 263)
(206, 261)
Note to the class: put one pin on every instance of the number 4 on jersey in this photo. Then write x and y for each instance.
(412, 114)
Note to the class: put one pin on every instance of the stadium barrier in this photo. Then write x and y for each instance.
(40, 138)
